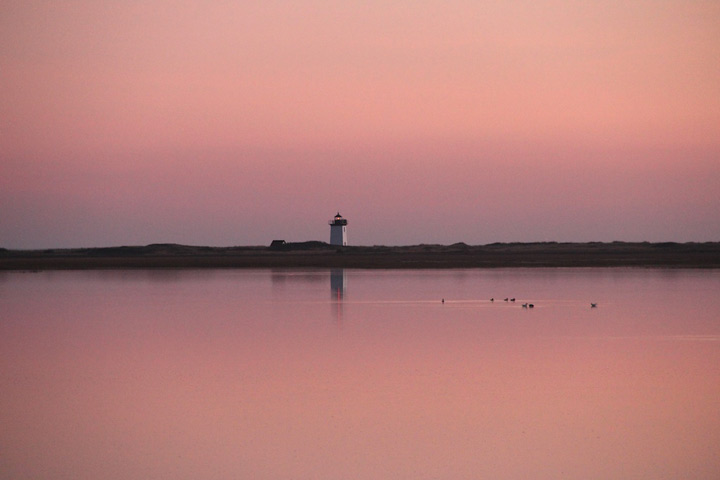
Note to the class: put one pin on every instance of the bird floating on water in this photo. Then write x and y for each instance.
(593, 305)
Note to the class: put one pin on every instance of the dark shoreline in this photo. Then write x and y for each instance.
(322, 255)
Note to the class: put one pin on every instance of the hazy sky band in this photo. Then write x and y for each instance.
(421, 122)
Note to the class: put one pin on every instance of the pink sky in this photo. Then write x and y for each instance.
(235, 123)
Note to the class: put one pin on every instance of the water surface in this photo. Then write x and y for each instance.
(263, 374)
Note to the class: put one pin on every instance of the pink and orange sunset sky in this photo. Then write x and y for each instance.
(239, 122)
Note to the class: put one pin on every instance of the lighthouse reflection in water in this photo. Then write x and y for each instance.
(338, 283)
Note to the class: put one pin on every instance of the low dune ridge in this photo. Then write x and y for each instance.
(322, 255)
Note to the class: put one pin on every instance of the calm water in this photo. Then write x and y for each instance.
(354, 374)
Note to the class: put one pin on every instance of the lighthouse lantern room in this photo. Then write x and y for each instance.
(338, 230)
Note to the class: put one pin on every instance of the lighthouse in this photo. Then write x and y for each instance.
(338, 230)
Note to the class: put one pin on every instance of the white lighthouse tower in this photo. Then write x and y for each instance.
(338, 230)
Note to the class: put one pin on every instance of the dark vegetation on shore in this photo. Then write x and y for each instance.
(322, 255)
